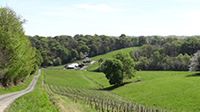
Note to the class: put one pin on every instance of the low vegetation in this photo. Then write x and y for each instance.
(35, 101)
(18, 87)
(70, 78)
(160, 89)
(169, 90)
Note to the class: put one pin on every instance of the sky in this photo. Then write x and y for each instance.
(108, 17)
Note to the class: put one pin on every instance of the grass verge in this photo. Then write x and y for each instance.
(35, 101)
(19, 87)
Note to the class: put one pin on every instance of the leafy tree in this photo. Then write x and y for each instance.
(122, 66)
(195, 62)
(113, 71)
(142, 40)
(190, 45)
(74, 53)
(57, 61)
(142, 64)
(19, 57)
(85, 49)
(93, 50)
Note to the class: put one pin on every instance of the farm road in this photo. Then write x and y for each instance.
(7, 99)
(92, 62)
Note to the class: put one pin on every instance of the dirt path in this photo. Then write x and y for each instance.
(7, 99)
(92, 62)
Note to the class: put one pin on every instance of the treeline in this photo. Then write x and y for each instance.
(170, 53)
(63, 49)
(18, 59)
(170, 50)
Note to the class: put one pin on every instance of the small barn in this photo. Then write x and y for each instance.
(72, 66)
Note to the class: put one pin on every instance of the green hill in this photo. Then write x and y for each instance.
(109, 55)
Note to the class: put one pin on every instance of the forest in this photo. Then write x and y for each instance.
(157, 52)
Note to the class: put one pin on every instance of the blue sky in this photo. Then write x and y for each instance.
(108, 17)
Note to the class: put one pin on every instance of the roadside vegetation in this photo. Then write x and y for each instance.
(19, 87)
(18, 59)
(35, 101)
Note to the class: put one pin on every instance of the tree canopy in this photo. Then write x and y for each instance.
(18, 58)
(118, 68)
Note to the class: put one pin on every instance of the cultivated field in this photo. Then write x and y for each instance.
(174, 90)
(168, 90)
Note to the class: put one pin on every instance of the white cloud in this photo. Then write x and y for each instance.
(101, 7)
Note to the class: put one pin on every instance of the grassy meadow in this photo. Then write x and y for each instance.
(176, 90)
(70, 77)
(170, 90)
(164, 89)
(110, 54)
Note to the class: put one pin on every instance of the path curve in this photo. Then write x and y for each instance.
(84, 67)
(7, 99)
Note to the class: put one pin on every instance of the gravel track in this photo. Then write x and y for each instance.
(7, 99)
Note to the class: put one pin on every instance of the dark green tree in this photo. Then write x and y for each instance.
(85, 49)
(74, 53)
(118, 68)
(113, 71)
(57, 61)
(142, 40)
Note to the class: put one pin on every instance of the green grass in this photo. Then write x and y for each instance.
(164, 89)
(19, 87)
(68, 77)
(170, 90)
(35, 101)
(176, 90)
(110, 54)
(93, 67)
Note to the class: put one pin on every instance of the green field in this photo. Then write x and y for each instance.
(110, 54)
(68, 77)
(162, 89)
(176, 90)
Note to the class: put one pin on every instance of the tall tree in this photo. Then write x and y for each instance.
(15, 46)
(122, 66)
